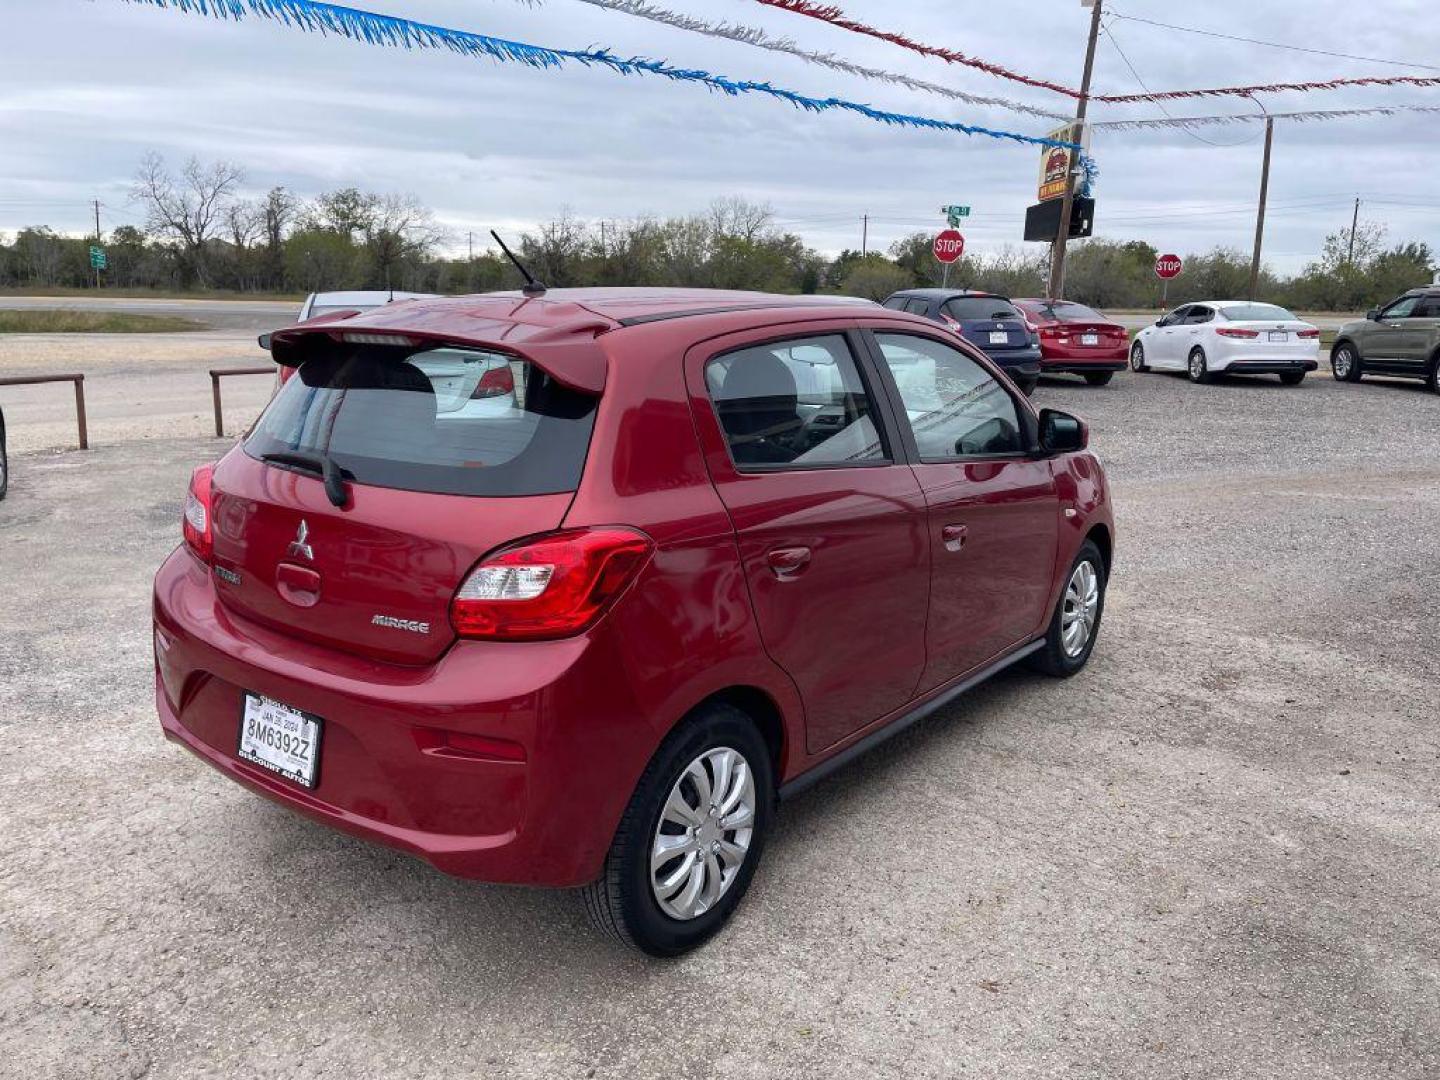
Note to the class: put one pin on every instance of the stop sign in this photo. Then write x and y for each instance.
(1168, 266)
(949, 246)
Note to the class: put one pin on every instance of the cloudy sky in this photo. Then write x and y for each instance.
(88, 86)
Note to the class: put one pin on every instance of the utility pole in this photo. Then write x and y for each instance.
(864, 235)
(97, 243)
(470, 239)
(1260, 215)
(1067, 204)
(1354, 226)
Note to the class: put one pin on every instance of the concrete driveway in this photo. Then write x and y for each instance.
(1215, 853)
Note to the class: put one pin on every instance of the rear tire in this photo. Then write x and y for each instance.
(1027, 387)
(1099, 378)
(1345, 363)
(624, 902)
(1197, 368)
(1137, 358)
(4, 462)
(1433, 382)
(1292, 378)
(1064, 654)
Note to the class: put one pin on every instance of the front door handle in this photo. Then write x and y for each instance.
(953, 537)
(787, 563)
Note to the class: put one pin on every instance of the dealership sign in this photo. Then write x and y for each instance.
(1056, 162)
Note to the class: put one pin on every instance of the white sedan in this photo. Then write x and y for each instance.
(1233, 337)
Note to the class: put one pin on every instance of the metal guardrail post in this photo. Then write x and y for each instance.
(216, 374)
(77, 379)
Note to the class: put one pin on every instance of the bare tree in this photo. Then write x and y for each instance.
(189, 209)
(400, 229)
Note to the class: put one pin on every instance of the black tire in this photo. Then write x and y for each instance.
(1027, 386)
(4, 461)
(1054, 659)
(1351, 368)
(1137, 358)
(1099, 378)
(1292, 378)
(621, 902)
(1198, 372)
(1433, 382)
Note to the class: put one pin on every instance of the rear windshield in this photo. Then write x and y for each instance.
(1256, 312)
(448, 420)
(1067, 312)
(980, 307)
(331, 309)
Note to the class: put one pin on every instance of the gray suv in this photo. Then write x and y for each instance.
(1402, 339)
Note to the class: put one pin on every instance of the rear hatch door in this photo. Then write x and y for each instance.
(450, 452)
(989, 322)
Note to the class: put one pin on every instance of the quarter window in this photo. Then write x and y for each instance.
(955, 407)
(794, 404)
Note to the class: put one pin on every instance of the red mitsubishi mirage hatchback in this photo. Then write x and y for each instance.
(570, 590)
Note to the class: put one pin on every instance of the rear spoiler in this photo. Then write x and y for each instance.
(568, 356)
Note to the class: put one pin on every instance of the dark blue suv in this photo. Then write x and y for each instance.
(989, 322)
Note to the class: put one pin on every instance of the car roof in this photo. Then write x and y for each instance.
(366, 297)
(947, 294)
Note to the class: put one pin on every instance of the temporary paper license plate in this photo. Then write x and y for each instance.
(1089, 339)
(999, 337)
(281, 739)
(1279, 335)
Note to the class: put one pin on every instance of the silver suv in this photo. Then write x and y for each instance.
(1402, 338)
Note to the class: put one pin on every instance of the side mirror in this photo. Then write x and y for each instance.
(1062, 433)
(1373, 315)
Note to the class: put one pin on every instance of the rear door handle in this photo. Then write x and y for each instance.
(788, 562)
(953, 537)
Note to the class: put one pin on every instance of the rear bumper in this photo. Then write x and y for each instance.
(1018, 363)
(1072, 366)
(386, 774)
(1269, 366)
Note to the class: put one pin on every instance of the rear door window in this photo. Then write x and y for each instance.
(1199, 314)
(447, 420)
(794, 404)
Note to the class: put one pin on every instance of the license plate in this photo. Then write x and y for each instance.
(1279, 335)
(999, 337)
(1089, 339)
(281, 739)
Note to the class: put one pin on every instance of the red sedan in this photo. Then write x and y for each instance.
(1077, 340)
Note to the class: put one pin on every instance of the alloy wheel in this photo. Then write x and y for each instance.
(1197, 365)
(703, 835)
(1082, 607)
(1137, 357)
(1340, 362)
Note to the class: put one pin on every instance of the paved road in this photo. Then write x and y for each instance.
(1212, 854)
(256, 315)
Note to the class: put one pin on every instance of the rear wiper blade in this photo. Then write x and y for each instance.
(322, 466)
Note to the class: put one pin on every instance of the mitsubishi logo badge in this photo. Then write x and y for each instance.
(300, 547)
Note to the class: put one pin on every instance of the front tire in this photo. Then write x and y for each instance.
(690, 838)
(1433, 382)
(1099, 378)
(1197, 368)
(4, 463)
(1292, 378)
(1137, 358)
(1345, 363)
(1075, 624)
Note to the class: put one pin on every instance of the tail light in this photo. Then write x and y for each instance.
(550, 586)
(950, 321)
(1236, 332)
(198, 525)
(497, 382)
(1310, 334)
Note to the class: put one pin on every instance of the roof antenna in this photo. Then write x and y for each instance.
(532, 287)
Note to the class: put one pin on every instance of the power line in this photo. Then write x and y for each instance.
(1276, 44)
(1115, 44)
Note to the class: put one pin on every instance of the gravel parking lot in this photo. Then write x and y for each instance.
(1215, 853)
